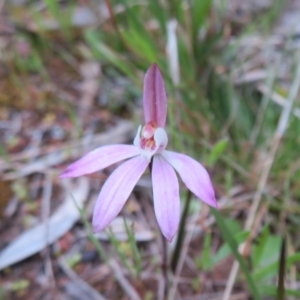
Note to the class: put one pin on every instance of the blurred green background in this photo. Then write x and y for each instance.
(230, 70)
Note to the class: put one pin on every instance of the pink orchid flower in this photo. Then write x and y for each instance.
(149, 146)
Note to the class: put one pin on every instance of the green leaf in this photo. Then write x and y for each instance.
(140, 45)
(228, 237)
(270, 290)
(217, 151)
(53, 8)
(176, 10)
(73, 260)
(233, 226)
(136, 24)
(102, 51)
(199, 10)
(61, 15)
(19, 285)
(116, 245)
(204, 260)
(266, 251)
(137, 257)
(225, 249)
(258, 248)
(271, 269)
(159, 13)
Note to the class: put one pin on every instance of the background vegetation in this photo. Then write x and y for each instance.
(72, 71)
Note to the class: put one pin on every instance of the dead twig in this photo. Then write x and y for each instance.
(275, 97)
(83, 290)
(122, 132)
(124, 283)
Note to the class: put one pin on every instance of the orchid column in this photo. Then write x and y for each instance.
(149, 146)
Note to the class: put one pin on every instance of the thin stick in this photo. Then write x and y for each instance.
(275, 97)
(124, 283)
(281, 127)
(112, 17)
(82, 286)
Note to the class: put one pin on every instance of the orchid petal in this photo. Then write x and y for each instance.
(161, 139)
(154, 97)
(99, 159)
(116, 191)
(137, 139)
(193, 175)
(165, 196)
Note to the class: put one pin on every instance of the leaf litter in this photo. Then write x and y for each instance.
(53, 109)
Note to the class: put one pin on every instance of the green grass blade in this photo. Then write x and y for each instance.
(271, 269)
(118, 250)
(159, 13)
(228, 237)
(137, 258)
(90, 234)
(217, 151)
(272, 291)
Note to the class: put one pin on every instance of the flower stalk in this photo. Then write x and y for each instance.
(181, 232)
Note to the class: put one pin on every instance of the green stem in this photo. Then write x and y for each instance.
(164, 266)
(281, 272)
(181, 232)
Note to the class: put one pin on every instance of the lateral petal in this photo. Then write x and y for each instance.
(165, 196)
(161, 139)
(194, 175)
(116, 191)
(99, 159)
(154, 97)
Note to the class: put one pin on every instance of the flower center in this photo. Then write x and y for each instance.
(147, 136)
(150, 140)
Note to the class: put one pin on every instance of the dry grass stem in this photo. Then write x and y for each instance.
(281, 127)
